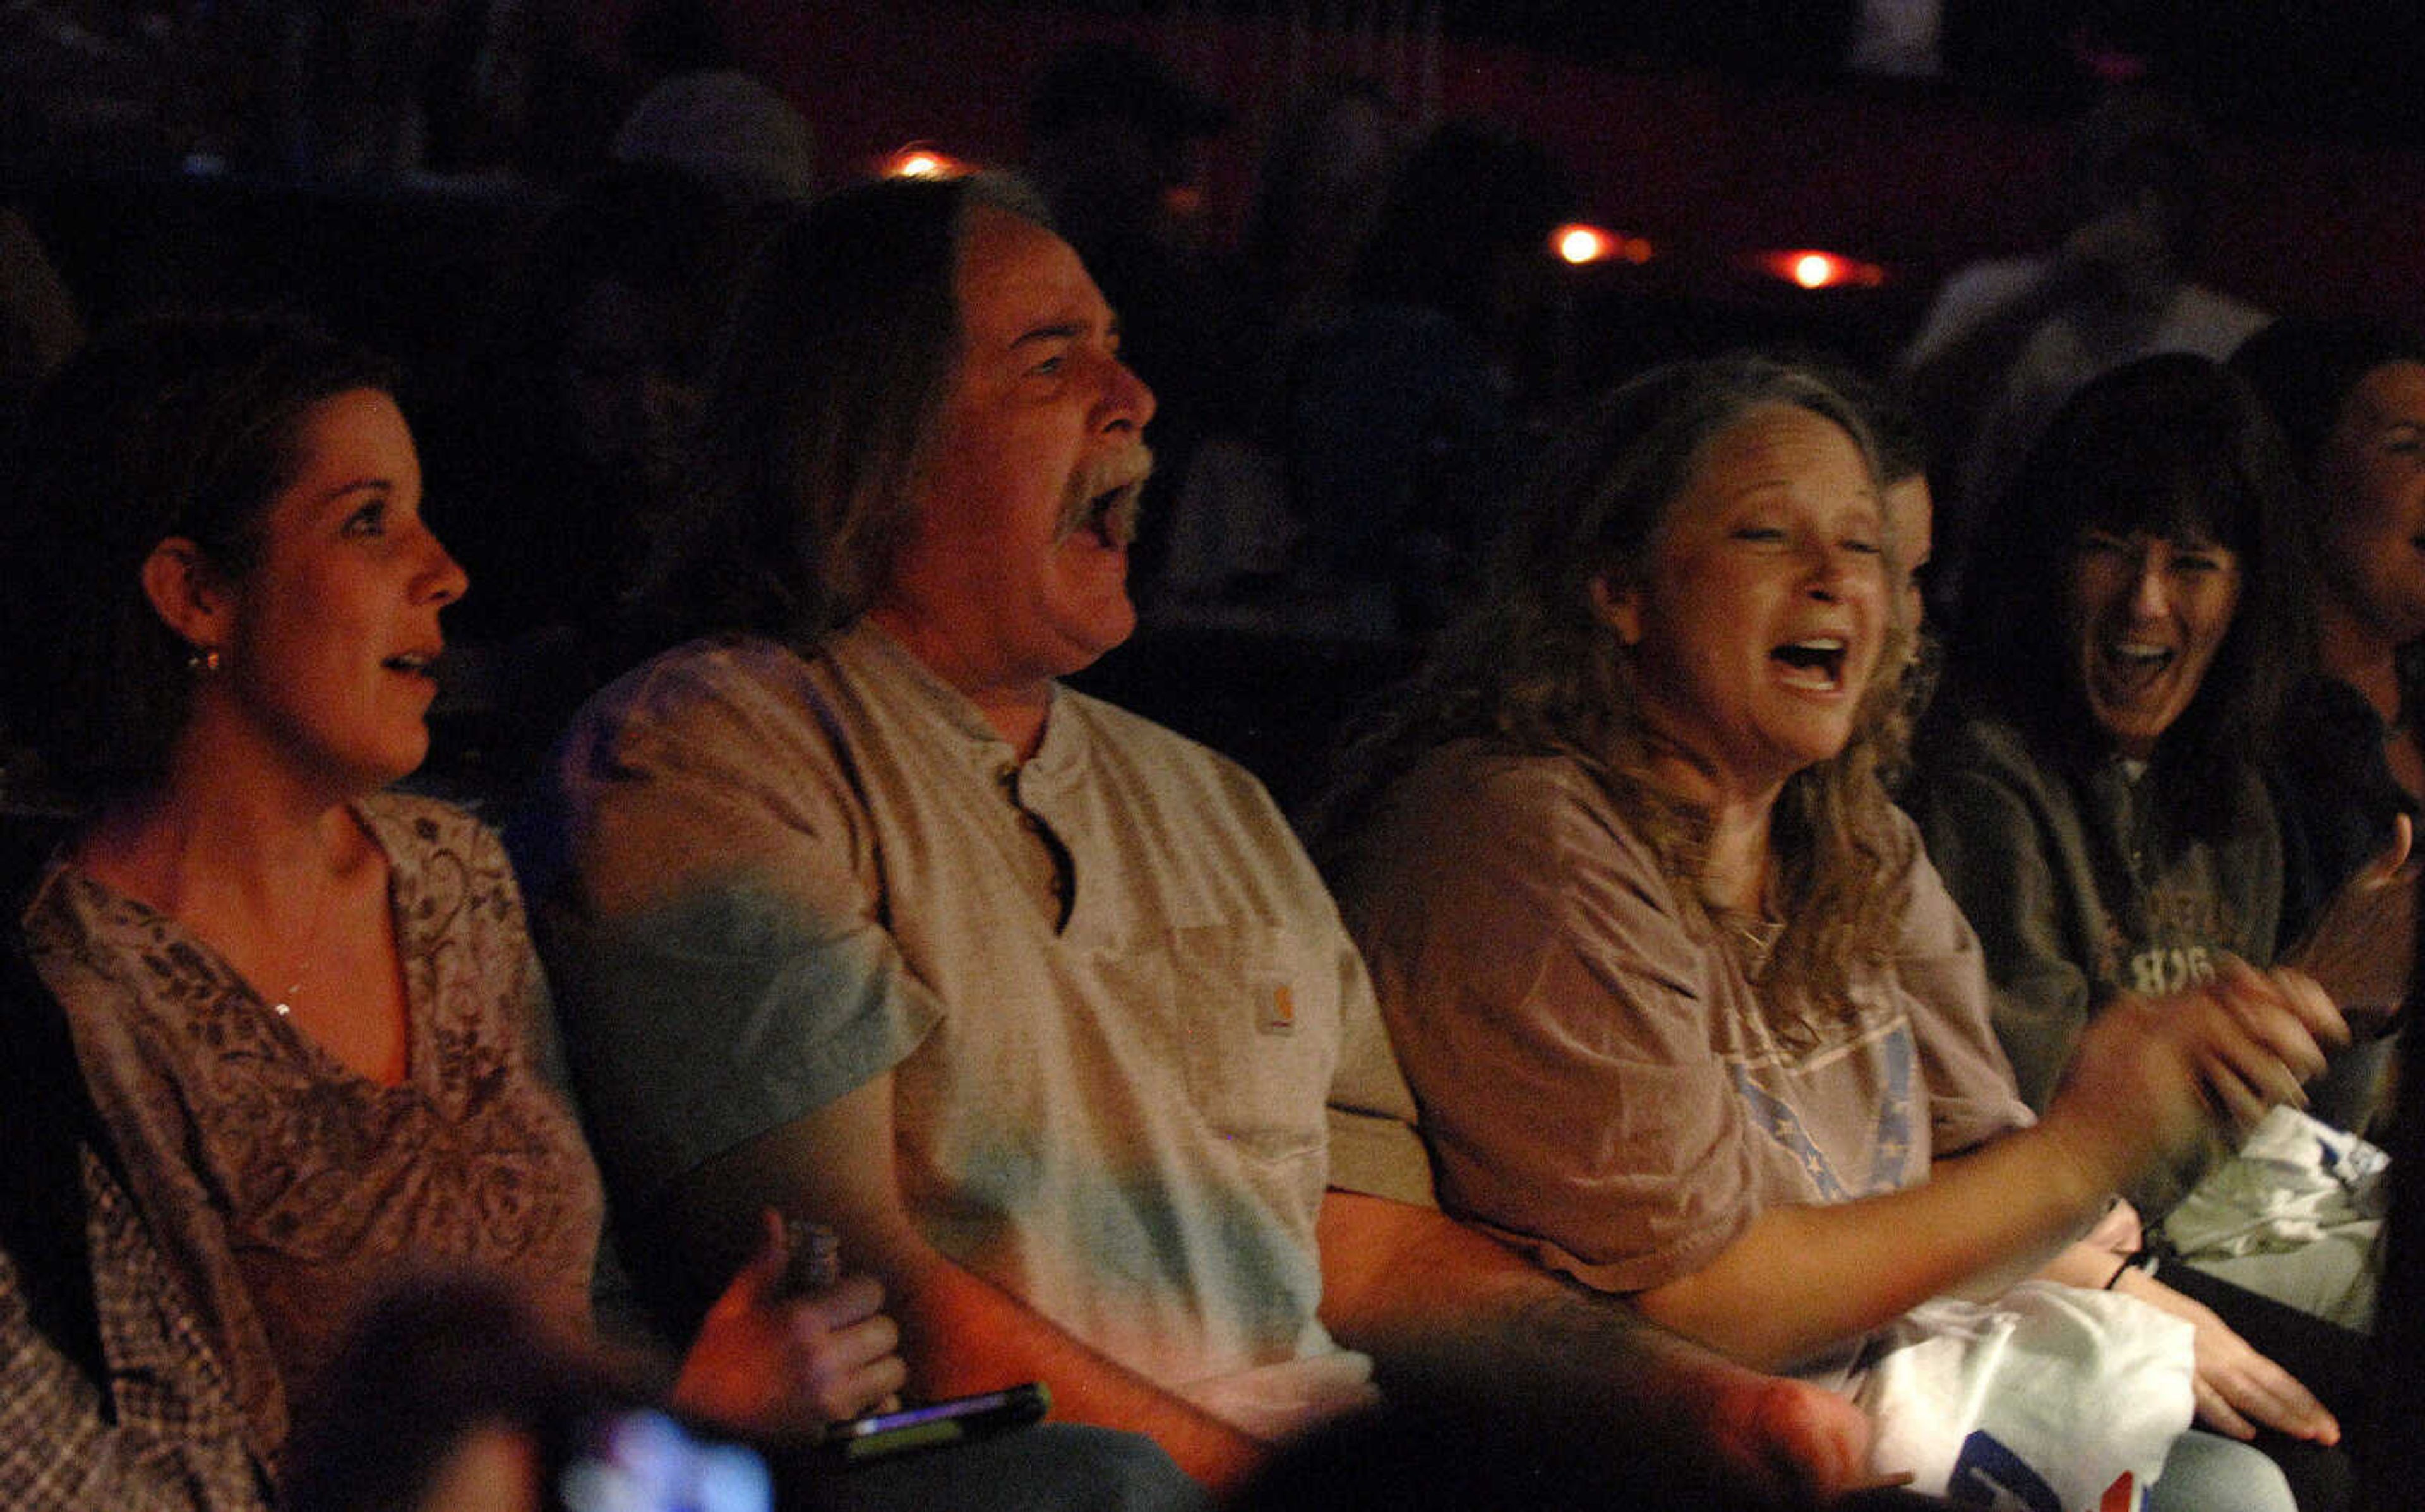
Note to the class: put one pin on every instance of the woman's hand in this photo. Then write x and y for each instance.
(2238, 1389)
(2364, 940)
(2150, 1075)
(773, 1364)
(2266, 1041)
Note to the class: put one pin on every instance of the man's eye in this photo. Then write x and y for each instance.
(1765, 534)
(1863, 545)
(1050, 367)
(2198, 562)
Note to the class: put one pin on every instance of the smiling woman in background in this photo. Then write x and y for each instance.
(2092, 786)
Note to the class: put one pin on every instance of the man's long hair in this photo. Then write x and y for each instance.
(830, 387)
(1533, 670)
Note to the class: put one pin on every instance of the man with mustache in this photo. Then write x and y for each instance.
(855, 912)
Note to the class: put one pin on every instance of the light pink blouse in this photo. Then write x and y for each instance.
(285, 1187)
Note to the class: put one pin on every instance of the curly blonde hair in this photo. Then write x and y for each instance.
(1534, 670)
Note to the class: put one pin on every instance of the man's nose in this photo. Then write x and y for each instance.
(1127, 402)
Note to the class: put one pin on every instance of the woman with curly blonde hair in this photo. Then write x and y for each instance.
(1533, 667)
(1689, 1016)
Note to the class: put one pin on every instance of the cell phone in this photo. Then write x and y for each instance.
(881, 1435)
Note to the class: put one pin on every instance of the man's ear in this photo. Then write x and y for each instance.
(1618, 608)
(188, 594)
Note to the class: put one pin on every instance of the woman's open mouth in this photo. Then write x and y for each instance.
(1815, 663)
(421, 665)
(2127, 667)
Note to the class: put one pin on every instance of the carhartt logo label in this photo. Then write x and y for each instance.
(1279, 1012)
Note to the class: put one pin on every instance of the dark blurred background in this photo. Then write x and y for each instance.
(392, 167)
(348, 141)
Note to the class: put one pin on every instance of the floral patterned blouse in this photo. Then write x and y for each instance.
(287, 1189)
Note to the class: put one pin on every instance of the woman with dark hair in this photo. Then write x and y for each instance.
(2094, 791)
(1688, 1013)
(563, 447)
(307, 1009)
(582, 389)
(2349, 398)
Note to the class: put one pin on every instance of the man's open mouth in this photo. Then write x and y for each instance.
(1111, 516)
(1106, 500)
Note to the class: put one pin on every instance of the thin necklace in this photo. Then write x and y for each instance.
(284, 1006)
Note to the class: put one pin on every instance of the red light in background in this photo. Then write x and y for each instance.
(1810, 268)
(919, 161)
(1581, 246)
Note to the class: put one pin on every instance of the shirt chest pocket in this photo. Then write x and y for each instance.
(1254, 1028)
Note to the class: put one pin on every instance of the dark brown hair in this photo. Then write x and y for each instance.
(2173, 446)
(180, 426)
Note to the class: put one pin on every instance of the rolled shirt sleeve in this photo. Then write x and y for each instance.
(715, 939)
(1545, 1006)
(1938, 963)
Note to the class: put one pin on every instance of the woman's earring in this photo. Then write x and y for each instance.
(203, 661)
(1617, 609)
